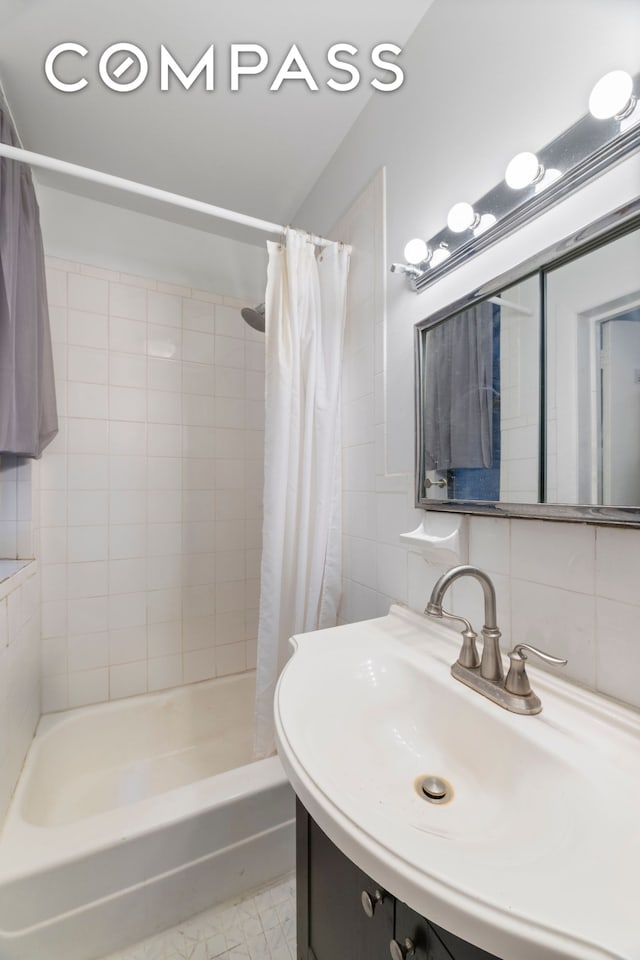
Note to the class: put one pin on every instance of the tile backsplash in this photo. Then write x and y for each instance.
(150, 500)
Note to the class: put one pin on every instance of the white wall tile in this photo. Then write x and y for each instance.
(164, 440)
(88, 651)
(87, 580)
(198, 665)
(199, 315)
(164, 374)
(127, 301)
(163, 342)
(164, 639)
(55, 693)
(88, 436)
(230, 658)
(88, 686)
(88, 508)
(87, 543)
(164, 606)
(164, 309)
(88, 294)
(87, 616)
(197, 347)
(87, 400)
(230, 352)
(127, 336)
(230, 627)
(569, 564)
(164, 672)
(87, 365)
(392, 572)
(128, 473)
(127, 610)
(618, 562)
(164, 406)
(88, 329)
(54, 656)
(128, 644)
(87, 472)
(198, 378)
(127, 370)
(559, 622)
(618, 650)
(127, 403)
(198, 633)
(127, 540)
(489, 543)
(128, 575)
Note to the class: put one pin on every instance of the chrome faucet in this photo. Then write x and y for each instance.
(486, 674)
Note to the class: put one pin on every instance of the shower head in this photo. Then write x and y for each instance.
(255, 317)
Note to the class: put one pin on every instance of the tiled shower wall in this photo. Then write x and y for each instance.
(569, 588)
(19, 670)
(150, 501)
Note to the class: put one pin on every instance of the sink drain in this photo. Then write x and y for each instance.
(434, 789)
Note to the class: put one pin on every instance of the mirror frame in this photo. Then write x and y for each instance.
(613, 225)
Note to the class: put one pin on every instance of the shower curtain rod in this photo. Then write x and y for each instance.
(143, 190)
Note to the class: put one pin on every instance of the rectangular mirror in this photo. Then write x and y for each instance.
(593, 377)
(528, 393)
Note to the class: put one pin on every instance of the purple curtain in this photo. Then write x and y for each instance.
(28, 415)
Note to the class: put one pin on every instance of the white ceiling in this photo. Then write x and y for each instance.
(254, 151)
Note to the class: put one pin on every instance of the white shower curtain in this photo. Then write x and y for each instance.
(301, 551)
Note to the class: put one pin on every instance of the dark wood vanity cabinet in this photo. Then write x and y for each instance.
(332, 922)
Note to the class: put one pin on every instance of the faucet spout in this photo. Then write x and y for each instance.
(491, 664)
(434, 607)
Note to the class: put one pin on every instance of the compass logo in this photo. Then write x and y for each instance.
(124, 67)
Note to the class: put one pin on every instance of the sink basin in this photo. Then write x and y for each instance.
(534, 856)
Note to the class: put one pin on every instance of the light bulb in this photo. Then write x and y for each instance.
(487, 220)
(439, 256)
(462, 217)
(416, 251)
(550, 176)
(612, 96)
(523, 170)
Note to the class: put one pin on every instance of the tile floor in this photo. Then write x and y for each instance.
(260, 925)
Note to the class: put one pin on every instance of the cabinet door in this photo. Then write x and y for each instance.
(432, 942)
(332, 924)
(460, 949)
(410, 925)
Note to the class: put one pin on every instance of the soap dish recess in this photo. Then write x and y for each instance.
(441, 538)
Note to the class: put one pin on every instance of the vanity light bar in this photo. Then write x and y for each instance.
(533, 182)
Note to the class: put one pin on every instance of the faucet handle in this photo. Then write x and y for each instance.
(517, 680)
(468, 656)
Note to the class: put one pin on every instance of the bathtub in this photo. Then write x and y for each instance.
(132, 815)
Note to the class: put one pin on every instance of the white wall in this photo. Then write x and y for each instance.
(568, 588)
(79, 229)
(484, 80)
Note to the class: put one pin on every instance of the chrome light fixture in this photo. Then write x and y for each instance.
(584, 151)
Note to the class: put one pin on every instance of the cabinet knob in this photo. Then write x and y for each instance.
(399, 951)
(369, 903)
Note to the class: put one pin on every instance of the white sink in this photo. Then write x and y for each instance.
(537, 854)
